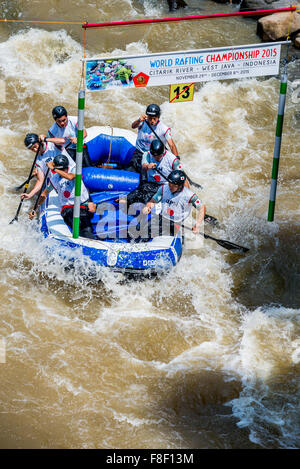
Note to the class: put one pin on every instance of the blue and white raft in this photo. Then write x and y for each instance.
(116, 252)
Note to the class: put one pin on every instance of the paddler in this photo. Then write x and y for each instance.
(47, 153)
(146, 135)
(176, 205)
(66, 127)
(63, 181)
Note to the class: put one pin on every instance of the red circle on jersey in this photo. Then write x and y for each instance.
(67, 194)
(170, 212)
(157, 177)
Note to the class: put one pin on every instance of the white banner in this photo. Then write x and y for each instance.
(181, 67)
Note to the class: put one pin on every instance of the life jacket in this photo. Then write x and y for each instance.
(165, 166)
(66, 190)
(145, 135)
(69, 131)
(48, 154)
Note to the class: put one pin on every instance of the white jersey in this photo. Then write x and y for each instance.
(178, 206)
(145, 135)
(64, 132)
(66, 190)
(48, 154)
(166, 165)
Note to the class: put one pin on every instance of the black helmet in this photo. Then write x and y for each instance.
(59, 111)
(177, 177)
(30, 140)
(157, 148)
(61, 161)
(153, 110)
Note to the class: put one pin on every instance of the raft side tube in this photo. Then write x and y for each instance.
(102, 179)
(119, 148)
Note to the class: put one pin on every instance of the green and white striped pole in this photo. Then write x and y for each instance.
(276, 154)
(79, 151)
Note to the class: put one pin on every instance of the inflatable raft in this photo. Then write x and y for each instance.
(112, 248)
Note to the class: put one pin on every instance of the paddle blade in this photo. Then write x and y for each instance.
(13, 220)
(226, 244)
(231, 246)
(195, 184)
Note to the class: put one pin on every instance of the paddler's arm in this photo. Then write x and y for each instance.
(64, 174)
(60, 140)
(38, 185)
(56, 140)
(42, 199)
(138, 122)
(145, 162)
(172, 146)
(148, 207)
(74, 139)
(155, 199)
(201, 209)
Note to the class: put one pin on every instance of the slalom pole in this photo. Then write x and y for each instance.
(79, 151)
(277, 145)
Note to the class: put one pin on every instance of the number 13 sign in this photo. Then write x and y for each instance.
(182, 92)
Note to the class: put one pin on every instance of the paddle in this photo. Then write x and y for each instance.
(190, 181)
(27, 183)
(222, 242)
(40, 191)
(207, 218)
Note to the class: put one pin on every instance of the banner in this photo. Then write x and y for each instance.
(181, 67)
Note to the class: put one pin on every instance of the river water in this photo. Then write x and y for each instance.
(205, 357)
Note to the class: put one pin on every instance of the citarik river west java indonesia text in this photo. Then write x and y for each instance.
(206, 355)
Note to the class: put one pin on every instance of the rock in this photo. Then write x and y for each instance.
(278, 26)
(254, 5)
